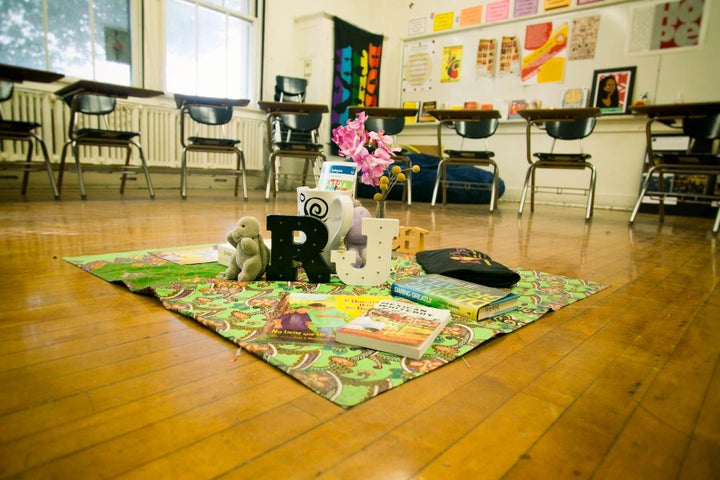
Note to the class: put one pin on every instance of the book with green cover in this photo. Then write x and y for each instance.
(399, 327)
(467, 299)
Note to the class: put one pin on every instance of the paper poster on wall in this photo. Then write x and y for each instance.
(583, 39)
(451, 64)
(443, 21)
(509, 57)
(470, 16)
(677, 24)
(523, 8)
(485, 64)
(552, 71)
(553, 47)
(666, 26)
(418, 66)
(497, 11)
(416, 26)
(553, 4)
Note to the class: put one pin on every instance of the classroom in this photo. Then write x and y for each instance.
(127, 354)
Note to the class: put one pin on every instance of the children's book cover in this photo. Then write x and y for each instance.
(515, 107)
(338, 176)
(306, 317)
(467, 299)
(399, 327)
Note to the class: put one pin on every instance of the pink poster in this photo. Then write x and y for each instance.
(497, 11)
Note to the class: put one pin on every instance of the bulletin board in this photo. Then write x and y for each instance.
(548, 59)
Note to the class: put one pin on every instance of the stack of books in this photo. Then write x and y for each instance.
(405, 326)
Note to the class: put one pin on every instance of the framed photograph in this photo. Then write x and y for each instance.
(612, 90)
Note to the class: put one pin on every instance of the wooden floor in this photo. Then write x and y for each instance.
(97, 382)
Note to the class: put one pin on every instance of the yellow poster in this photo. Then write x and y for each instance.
(451, 64)
(552, 71)
(553, 4)
(443, 21)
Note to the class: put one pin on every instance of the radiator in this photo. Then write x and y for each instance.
(159, 124)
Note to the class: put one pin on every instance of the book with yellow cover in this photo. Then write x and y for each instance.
(404, 328)
(314, 318)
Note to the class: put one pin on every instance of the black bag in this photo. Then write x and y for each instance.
(469, 265)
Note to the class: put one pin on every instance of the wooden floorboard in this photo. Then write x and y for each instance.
(98, 382)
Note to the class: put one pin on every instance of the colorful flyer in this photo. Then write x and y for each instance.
(509, 56)
(451, 64)
(485, 64)
(554, 46)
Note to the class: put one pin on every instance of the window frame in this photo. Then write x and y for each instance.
(155, 45)
(147, 25)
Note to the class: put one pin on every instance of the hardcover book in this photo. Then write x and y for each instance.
(467, 299)
(307, 317)
(393, 326)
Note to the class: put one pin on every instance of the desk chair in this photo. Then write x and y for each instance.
(19, 131)
(701, 159)
(99, 107)
(210, 115)
(474, 130)
(574, 128)
(290, 89)
(298, 139)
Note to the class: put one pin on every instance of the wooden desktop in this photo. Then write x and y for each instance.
(22, 74)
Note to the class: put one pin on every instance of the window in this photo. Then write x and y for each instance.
(210, 47)
(81, 38)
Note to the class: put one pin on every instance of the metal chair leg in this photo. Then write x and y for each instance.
(525, 188)
(643, 191)
(76, 154)
(145, 170)
(270, 176)
(61, 170)
(494, 188)
(438, 175)
(48, 167)
(183, 174)
(123, 179)
(26, 170)
(241, 167)
(591, 193)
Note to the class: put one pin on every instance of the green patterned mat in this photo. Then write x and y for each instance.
(344, 375)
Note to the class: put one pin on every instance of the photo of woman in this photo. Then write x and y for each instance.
(608, 93)
(612, 90)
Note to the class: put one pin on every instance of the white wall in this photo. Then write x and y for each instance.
(617, 145)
